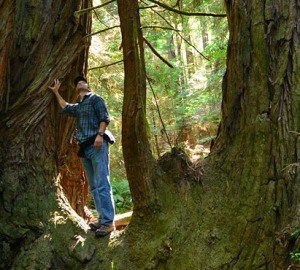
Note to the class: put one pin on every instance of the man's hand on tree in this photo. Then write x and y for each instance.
(56, 86)
(98, 142)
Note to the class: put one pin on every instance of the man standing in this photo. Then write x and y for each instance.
(92, 119)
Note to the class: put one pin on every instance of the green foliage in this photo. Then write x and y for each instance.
(207, 139)
(295, 256)
(122, 197)
(188, 95)
(295, 232)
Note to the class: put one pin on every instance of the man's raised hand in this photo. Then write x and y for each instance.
(62, 103)
(56, 86)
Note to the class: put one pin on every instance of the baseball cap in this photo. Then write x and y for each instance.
(79, 78)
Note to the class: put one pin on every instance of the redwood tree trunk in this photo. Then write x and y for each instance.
(243, 216)
(256, 154)
(40, 41)
(138, 158)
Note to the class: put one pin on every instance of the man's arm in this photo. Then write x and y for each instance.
(99, 139)
(62, 103)
(102, 115)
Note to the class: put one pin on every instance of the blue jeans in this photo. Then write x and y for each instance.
(96, 167)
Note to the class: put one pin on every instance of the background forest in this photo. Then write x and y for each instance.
(188, 96)
(236, 209)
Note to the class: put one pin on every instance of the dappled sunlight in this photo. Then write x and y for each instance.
(199, 152)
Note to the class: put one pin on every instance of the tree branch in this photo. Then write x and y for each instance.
(157, 54)
(83, 11)
(159, 114)
(98, 32)
(184, 12)
(97, 16)
(193, 47)
(160, 27)
(181, 36)
(177, 3)
(148, 7)
(297, 133)
(106, 65)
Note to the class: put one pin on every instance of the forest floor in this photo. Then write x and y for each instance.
(199, 152)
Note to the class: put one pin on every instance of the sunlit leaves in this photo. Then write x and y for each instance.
(189, 95)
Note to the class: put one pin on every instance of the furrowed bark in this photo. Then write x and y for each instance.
(40, 41)
(260, 106)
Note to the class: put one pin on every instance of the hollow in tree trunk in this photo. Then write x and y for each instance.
(41, 41)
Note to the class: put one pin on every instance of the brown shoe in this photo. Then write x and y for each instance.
(105, 230)
(95, 226)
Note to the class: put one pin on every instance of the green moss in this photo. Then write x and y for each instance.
(37, 256)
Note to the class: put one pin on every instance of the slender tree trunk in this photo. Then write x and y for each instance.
(188, 50)
(135, 130)
(156, 136)
(171, 51)
(190, 58)
(204, 35)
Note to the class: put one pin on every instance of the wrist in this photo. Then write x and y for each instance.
(100, 133)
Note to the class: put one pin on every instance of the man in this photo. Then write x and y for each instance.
(92, 119)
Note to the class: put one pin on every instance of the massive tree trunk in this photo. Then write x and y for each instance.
(40, 41)
(256, 153)
(244, 213)
(235, 211)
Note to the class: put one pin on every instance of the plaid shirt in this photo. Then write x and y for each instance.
(89, 112)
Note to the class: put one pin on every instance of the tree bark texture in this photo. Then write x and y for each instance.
(40, 41)
(256, 155)
(135, 130)
(244, 213)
